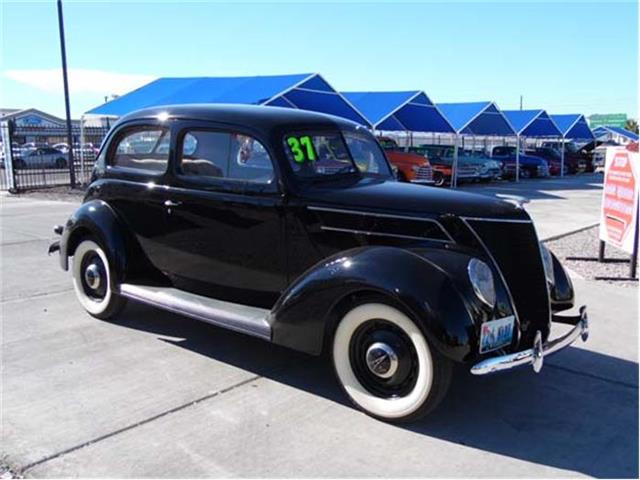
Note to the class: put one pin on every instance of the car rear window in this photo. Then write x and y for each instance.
(143, 148)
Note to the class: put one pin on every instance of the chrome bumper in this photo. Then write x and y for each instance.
(535, 356)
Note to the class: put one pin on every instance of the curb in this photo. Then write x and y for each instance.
(566, 234)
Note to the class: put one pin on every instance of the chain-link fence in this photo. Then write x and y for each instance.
(35, 157)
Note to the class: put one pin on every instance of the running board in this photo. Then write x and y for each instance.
(241, 318)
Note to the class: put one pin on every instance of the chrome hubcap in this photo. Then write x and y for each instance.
(382, 360)
(92, 276)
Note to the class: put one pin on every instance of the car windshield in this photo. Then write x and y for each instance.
(321, 154)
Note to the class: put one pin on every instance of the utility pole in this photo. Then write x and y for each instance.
(520, 102)
(63, 52)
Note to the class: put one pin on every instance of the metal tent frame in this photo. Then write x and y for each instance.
(531, 123)
(571, 126)
(476, 119)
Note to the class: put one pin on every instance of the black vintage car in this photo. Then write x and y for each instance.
(288, 225)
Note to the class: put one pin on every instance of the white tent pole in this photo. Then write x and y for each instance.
(562, 157)
(454, 170)
(517, 157)
(82, 178)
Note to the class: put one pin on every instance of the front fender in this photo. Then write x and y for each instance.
(302, 319)
(96, 218)
(562, 293)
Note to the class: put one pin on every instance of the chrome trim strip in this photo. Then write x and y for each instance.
(497, 267)
(535, 356)
(501, 220)
(380, 234)
(233, 316)
(385, 215)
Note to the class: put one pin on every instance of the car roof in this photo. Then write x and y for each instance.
(256, 116)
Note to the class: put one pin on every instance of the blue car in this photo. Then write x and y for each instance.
(530, 166)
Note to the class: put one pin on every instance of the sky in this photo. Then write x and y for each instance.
(563, 57)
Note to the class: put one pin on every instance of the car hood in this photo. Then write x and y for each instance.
(410, 199)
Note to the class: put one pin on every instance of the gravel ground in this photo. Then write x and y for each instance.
(579, 252)
(8, 472)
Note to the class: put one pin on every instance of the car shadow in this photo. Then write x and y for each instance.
(579, 414)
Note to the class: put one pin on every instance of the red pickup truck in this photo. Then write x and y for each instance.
(411, 167)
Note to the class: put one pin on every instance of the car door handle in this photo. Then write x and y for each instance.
(171, 203)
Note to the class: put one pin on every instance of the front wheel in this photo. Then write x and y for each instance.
(439, 179)
(385, 364)
(92, 281)
(61, 163)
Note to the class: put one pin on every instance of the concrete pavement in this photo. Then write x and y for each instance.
(557, 205)
(157, 395)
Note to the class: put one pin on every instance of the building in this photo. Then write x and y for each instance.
(35, 126)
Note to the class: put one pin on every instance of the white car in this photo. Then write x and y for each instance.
(41, 157)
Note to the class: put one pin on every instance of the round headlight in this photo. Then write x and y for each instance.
(481, 279)
(547, 262)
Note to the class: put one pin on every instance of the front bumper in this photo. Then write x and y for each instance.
(535, 356)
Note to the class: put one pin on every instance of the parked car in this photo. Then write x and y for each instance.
(411, 167)
(490, 169)
(41, 157)
(396, 282)
(88, 149)
(578, 160)
(530, 165)
(441, 158)
(552, 156)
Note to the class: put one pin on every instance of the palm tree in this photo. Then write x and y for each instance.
(631, 125)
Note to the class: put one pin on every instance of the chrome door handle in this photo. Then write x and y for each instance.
(171, 203)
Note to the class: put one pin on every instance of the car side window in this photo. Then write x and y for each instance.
(225, 155)
(144, 148)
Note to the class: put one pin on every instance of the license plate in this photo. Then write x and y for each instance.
(496, 334)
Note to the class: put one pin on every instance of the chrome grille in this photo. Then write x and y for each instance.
(424, 173)
(515, 249)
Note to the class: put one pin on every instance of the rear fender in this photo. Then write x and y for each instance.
(302, 319)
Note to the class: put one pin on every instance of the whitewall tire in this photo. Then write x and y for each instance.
(385, 364)
(91, 274)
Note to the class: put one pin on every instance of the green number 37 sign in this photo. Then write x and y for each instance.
(302, 149)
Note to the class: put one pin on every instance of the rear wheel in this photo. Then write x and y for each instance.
(385, 364)
(92, 281)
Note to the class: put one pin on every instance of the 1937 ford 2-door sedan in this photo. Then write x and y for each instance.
(288, 225)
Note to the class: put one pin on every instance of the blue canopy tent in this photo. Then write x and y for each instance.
(572, 125)
(308, 91)
(600, 132)
(476, 118)
(531, 123)
(411, 111)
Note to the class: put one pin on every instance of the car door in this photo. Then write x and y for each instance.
(135, 178)
(225, 217)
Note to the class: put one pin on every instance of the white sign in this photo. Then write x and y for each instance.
(619, 212)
